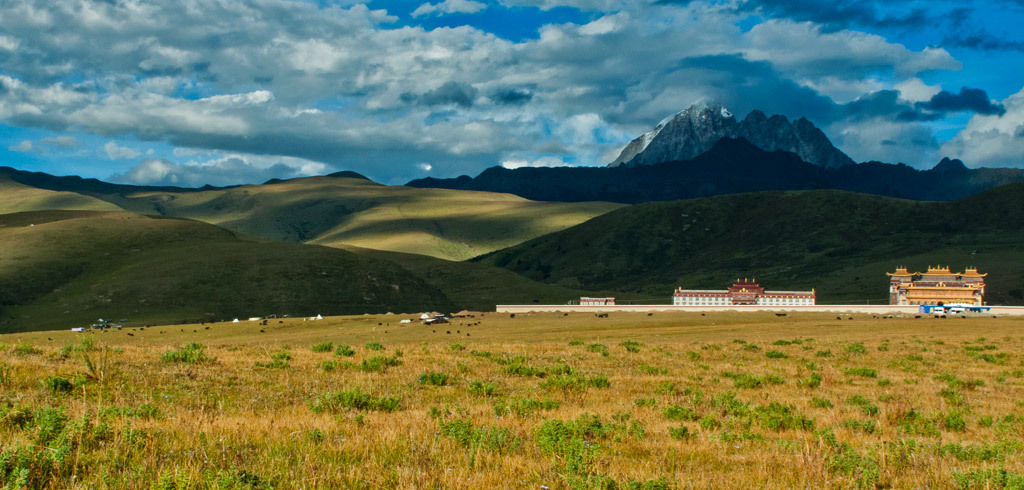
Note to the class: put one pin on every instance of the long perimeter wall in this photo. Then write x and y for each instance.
(872, 309)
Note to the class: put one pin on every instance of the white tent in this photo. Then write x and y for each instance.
(318, 317)
(424, 316)
(234, 321)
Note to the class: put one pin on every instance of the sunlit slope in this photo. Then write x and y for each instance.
(61, 268)
(839, 242)
(16, 198)
(333, 211)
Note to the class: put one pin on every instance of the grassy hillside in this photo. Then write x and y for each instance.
(477, 286)
(838, 242)
(347, 209)
(16, 198)
(62, 268)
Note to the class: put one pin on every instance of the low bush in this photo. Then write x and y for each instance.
(352, 399)
(192, 353)
(323, 347)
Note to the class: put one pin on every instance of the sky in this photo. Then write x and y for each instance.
(222, 92)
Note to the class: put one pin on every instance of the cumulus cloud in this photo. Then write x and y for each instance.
(992, 139)
(220, 171)
(449, 7)
(23, 147)
(115, 152)
(59, 141)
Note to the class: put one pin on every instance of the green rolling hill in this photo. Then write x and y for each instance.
(16, 197)
(840, 243)
(63, 268)
(336, 210)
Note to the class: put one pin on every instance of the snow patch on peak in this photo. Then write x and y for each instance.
(725, 112)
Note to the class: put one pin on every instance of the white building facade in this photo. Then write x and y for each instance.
(744, 292)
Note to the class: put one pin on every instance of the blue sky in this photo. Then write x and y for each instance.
(224, 92)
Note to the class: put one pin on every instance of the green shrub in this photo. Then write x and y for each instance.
(433, 378)
(601, 348)
(192, 353)
(25, 349)
(865, 426)
(823, 353)
(861, 371)
(379, 364)
(374, 346)
(820, 403)
(813, 381)
(571, 442)
(58, 384)
(865, 406)
(681, 433)
(776, 416)
(856, 348)
(277, 360)
(781, 342)
(328, 366)
(524, 407)
(485, 388)
(676, 412)
(457, 347)
(645, 402)
(497, 439)
(323, 347)
(631, 346)
(576, 342)
(352, 399)
(774, 354)
(954, 421)
(344, 351)
(985, 478)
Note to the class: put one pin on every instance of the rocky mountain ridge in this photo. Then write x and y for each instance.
(696, 129)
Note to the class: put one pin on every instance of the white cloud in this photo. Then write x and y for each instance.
(915, 90)
(449, 7)
(23, 147)
(996, 141)
(545, 161)
(115, 152)
(426, 167)
(60, 141)
(226, 169)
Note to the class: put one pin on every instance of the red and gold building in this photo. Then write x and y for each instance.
(938, 285)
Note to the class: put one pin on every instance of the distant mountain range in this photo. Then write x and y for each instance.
(731, 166)
(703, 151)
(695, 130)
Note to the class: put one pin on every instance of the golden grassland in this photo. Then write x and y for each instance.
(680, 400)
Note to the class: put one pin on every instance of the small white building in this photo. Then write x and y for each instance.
(585, 301)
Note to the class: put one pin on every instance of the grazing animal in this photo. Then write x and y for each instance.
(650, 314)
(48, 338)
(460, 331)
(207, 328)
(512, 315)
(448, 331)
(131, 334)
(467, 334)
(261, 330)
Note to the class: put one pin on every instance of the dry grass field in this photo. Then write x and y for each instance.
(536, 401)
